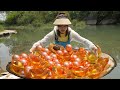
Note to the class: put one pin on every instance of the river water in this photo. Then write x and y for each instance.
(107, 37)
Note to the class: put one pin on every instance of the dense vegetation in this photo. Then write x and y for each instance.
(26, 19)
(37, 18)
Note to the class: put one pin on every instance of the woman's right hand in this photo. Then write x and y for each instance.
(34, 47)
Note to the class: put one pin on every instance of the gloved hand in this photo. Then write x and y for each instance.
(33, 47)
(94, 50)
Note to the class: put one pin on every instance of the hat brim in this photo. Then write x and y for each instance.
(63, 21)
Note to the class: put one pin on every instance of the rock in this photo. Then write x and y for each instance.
(7, 75)
(6, 33)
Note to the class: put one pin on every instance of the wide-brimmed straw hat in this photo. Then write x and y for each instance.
(62, 19)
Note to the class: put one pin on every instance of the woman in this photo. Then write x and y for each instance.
(62, 34)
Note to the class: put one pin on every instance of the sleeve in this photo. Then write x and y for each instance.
(87, 43)
(46, 40)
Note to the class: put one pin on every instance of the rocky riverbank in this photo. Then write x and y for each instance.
(7, 33)
(103, 22)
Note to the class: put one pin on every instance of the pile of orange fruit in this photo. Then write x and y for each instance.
(62, 63)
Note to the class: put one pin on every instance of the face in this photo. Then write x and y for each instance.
(62, 28)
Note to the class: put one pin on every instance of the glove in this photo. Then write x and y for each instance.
(34, 47)
(94, 50)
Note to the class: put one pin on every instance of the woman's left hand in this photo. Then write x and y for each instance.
(94, 50)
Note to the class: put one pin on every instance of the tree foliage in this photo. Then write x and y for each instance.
(37, 18)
